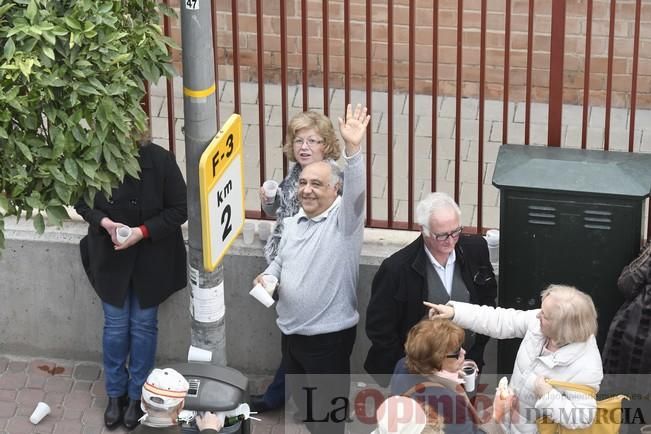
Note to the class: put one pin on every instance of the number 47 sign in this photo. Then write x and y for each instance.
(221, 189)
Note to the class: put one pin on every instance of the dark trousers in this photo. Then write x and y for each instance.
(274, 396)
(318, 377)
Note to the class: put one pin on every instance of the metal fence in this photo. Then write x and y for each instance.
(556, 57)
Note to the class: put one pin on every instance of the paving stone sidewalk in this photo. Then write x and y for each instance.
(74, 390)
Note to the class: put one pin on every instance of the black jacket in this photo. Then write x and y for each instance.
(155, 267)
(397, 295)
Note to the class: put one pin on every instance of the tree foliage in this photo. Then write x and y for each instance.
(71, 81)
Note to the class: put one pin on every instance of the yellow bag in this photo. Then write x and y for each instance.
(607, 419)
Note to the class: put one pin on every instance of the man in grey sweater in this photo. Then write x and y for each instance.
(318, 267)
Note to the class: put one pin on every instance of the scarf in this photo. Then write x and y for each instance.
(288, 206)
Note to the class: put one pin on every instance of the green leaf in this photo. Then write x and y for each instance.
(26, 67)
(57, 213)
(88, 168)
(31, 11)
(71, 167)
(4, 204)
(49, 52)
(5, 8)
(25, 151)
(56, 173)
(3, 133)
(39, 224)
(10, 49)
(72, 23)
(34, 202)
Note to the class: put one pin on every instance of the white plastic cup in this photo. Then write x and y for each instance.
(196, 354)
(270, 283)
(248, 232)
(469, 376)
(41, 410)
(493, 241)
(264, 230)
(123, 233)
(260, 293)
(270, 188)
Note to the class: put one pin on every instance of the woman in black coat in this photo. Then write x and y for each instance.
(133, 277)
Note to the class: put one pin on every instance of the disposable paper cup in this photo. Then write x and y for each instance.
(196, 354)
(248, 232)
(493, 237)
(469, 376)
(270, 188)
(41, 410)
(270, 283)
(264, 230)
(123, 233)
(261, 294)
(493, 241)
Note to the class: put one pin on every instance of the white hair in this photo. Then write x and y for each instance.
(432, 203)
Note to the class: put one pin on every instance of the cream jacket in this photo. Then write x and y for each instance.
(576, 363)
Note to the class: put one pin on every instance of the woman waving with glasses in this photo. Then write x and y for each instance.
(441, 264)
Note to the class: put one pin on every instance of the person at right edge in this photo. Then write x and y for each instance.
(628, 345)
(442, 264)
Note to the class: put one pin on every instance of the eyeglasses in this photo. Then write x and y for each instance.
(455, 355)
(443, 236)
(310, 141)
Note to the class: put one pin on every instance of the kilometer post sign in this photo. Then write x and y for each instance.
(221, 189)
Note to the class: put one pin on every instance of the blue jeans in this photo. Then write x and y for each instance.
(129, 332)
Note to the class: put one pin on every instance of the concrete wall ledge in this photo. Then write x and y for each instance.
(50, 310)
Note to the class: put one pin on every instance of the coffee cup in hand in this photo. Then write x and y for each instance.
(469, 376)
(270, 283)
(270, 188)
(260, 293)
(123, 233)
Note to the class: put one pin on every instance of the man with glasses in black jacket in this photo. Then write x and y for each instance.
(442, 264)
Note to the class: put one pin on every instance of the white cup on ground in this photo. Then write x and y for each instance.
(270, 188)
(270, 283)
(260, 293)
(469, 376)
(41, 410)
(123, 233)
(264, 230)
(196, 354)
(248, 232)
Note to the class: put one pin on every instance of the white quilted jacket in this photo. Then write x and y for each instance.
(576, 363)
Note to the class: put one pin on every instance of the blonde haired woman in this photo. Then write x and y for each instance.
(558, 343)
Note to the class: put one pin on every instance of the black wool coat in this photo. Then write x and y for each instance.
(399, 289)
(156, 266)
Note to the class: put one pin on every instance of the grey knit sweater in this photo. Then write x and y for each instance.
(318, 262)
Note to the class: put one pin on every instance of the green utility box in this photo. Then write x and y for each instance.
(567, 216)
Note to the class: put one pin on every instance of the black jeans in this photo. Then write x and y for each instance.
(318, 377)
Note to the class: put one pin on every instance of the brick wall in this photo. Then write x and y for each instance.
(574, 46)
